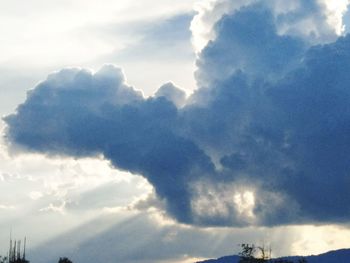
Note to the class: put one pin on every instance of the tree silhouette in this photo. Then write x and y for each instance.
(256, 254)
(64, 260)
(248, 254)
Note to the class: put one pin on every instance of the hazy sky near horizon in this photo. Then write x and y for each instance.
(162, 131)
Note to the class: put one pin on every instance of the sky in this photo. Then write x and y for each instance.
(162, 131)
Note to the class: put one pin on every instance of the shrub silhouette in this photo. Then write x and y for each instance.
(64, 260)
(249, 252)
(256, 254)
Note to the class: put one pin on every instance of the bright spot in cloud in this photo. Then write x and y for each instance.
(336, 11)
(7, 207)
(35, 195)
(245, 203)
(56, 208)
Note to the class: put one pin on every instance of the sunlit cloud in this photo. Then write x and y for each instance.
(219, 167)
(319, 24)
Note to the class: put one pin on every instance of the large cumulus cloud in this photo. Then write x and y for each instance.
(78, 113)
(262, 141)
(314, 21)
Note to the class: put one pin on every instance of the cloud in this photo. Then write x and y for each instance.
(70, 190)
(157, 39)
(129, 241)
(73, 40)
(7, 207)
(235, 47)
(172, 93)
(314, 21)
(110, 194)
(87, 114)
(262, 141)
(162, 44)
(54, 208)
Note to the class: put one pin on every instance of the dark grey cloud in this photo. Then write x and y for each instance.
(248, 40)
(78, 113)
(263, 141)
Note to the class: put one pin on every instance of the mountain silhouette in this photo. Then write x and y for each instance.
(335, 256)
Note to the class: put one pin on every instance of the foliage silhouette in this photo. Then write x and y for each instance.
(64, 260)
(256, 254)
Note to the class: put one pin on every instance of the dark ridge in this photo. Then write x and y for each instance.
(334, 256)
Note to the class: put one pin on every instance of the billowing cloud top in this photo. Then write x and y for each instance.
(315, 21)
(263, 141)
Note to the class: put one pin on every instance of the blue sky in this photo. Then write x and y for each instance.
(170, 132)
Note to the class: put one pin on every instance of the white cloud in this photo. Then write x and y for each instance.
(53, 33)
(208, 13)
(7, 207)
(335, 13)
(35, 195)
(41, 197)
(55, 208)
(318, 239)
(38, 37)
